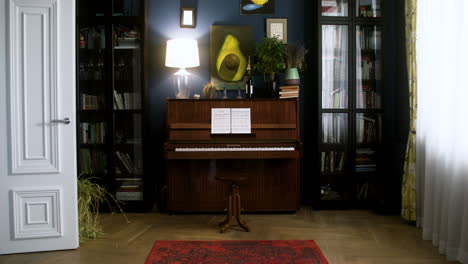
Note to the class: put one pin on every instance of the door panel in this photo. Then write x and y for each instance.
(33, 88)
(38, 155)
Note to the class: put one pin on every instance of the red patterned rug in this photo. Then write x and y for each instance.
(249, 251)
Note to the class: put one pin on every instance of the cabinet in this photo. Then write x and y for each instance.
(350, 101)
(110, 92)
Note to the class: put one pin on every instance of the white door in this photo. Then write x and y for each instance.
(38, 197)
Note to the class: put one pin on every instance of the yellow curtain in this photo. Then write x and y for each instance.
(409, 176)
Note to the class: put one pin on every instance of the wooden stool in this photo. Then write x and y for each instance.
(233, 206)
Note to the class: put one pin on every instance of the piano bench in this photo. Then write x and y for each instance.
(233, 205)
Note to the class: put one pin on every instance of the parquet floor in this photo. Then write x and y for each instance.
(351, 237)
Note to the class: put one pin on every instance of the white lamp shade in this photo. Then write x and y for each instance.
(182, 53)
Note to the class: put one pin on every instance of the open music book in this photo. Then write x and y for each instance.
(230, 121)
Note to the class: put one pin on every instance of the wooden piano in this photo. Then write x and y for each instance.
(269, 157)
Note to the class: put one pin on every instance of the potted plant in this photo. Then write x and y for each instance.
(269, 61)
(90, 196)
(294, 59)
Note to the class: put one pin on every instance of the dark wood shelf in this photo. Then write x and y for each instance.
(345, 182)
(118, 122)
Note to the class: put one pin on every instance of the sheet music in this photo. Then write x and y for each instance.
(220, 120)
(240, 121)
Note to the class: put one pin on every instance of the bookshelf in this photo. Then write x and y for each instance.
(110, 81)
(350, 111)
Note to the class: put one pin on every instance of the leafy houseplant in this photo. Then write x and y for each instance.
(269, 59)
(90, 196)
(294, 59)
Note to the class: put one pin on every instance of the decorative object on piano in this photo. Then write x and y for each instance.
(182, 54)
(249, 84)
(196, 96)
(289, 92)
(294, 58)
(209, 91)
(230, 47)
(278, 28)
(257, 7)
(269, 61)
(188, 17)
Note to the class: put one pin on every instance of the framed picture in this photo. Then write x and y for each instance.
(230, 49)
(277, 27)
(257, 7)
(187, 17)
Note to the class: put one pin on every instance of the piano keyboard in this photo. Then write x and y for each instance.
(234, 149)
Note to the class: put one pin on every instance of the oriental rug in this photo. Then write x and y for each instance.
(238, 252)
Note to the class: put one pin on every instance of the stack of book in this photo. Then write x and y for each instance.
(365, 160)
(130, 189)
(288, 92)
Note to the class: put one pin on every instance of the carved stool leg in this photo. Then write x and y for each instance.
(237, 209)
(223, 226)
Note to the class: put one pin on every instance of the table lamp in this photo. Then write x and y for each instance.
(182, 54)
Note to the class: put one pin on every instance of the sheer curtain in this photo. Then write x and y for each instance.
(442, 138)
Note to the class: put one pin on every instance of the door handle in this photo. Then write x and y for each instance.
(65, 121)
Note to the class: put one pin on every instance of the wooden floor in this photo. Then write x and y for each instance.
(344, 237)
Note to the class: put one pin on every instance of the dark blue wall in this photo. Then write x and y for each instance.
(163, 20)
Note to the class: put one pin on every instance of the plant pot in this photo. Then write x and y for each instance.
(292, 77)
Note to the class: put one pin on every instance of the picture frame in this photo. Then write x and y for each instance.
(188, 17)
(277, 27)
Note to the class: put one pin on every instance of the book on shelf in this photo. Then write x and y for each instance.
(332, 162)
(92, 162)
(366, 160)
(93, 133)
(127, 101)
(90, 102)
(126, 163)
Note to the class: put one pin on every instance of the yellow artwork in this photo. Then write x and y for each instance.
(259, 2)
(231, 63)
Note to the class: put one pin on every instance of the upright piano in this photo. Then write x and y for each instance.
(269, 156)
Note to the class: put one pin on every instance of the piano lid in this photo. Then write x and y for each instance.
(271, 119)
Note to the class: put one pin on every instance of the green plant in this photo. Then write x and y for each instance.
(269, 57)
(90, 197)
(294, 56)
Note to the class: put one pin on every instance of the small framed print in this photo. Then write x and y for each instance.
(187, 17)
(277, 27)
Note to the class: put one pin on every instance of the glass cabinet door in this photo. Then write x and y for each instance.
(92, 127)
(368, 67)
(368, 8)
(335, 66)
(334, 7)
(127, 87)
